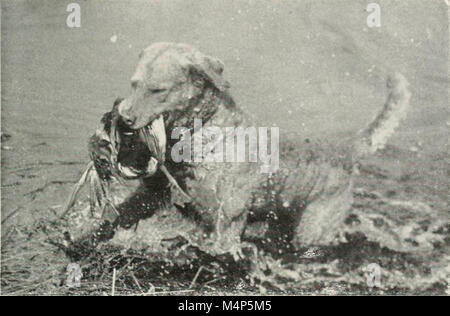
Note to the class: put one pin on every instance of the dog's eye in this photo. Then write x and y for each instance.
(154, 91)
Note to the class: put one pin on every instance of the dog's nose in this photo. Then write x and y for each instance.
(129, 120)
(124, 112)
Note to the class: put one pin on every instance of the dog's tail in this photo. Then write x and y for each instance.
(376, 135)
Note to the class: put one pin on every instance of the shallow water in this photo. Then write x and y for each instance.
(308, 66)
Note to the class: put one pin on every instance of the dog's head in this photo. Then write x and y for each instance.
(167, 76)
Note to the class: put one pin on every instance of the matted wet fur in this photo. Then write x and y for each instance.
(305, 202)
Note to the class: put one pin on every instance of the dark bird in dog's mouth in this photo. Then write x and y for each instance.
(119, 152)
(116, 143)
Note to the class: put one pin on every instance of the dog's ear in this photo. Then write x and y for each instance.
(207, 67)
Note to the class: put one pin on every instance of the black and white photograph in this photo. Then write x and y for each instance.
(243, 149)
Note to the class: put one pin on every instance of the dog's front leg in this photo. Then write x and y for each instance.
(221, 195)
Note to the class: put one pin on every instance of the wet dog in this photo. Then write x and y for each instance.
(311, 194)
